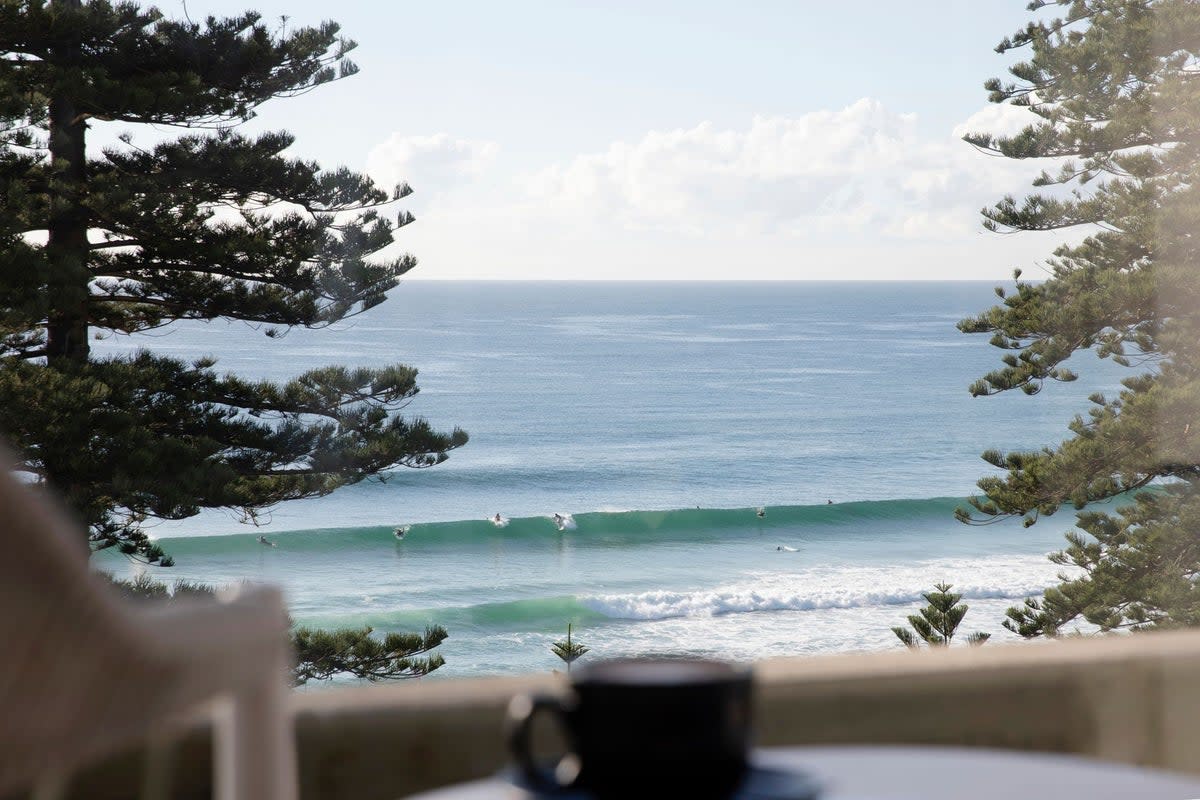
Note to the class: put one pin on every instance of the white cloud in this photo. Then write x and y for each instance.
(858, 192)
(859, 170)
(998, 119)
(431, 164)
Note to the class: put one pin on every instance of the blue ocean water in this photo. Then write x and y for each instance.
(659, 417)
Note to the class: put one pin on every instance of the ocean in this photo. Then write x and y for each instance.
(657, 419)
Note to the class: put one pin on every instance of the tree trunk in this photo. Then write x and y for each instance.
(67, 246)
(67, 250)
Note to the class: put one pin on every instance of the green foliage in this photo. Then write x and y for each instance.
(567, 650)
(937, 622)
(210, 225)
(1112, 83)
(322, 655)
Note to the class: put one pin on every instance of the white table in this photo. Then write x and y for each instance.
(934, 773)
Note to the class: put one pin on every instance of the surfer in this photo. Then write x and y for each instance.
(828, 502)
(399, 531)
(266, 541)
(560, 521)
(497, 519)
(761, 512)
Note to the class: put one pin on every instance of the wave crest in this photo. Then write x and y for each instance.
(665, 605)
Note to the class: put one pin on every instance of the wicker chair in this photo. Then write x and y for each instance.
(85, 673)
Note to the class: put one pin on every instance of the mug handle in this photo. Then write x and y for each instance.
(521, 711)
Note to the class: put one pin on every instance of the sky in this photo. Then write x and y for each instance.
(672, 140)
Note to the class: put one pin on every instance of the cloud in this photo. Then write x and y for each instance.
(431, 164)
(859, 192)
(998, 119)
(862, 169)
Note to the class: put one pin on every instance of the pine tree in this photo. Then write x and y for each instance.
(937, 622)
(322, 655)
(567, 650)
(209, 225)
(1114, 83)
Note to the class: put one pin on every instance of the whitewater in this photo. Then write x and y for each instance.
(656, 418)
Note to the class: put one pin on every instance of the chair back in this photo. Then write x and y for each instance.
(86, 673)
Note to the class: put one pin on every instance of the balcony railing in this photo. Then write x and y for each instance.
(1130, 699)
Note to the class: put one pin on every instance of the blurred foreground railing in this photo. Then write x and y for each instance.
(1132, 699)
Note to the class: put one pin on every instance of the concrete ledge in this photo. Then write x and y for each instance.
(1132, 699)
(1128, 699)
(389, 741)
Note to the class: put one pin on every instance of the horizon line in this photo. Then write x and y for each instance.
(407, 279)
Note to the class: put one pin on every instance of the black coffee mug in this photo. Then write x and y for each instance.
(638, 727)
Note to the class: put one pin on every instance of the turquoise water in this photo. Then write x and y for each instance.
(659, 417)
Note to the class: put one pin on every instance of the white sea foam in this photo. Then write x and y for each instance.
(833, 588)
(565, 522)
(663, 605)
